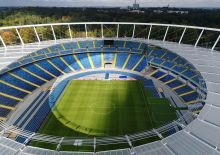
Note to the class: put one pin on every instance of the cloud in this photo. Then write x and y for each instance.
(85, 3)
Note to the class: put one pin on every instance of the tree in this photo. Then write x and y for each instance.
(27, 35)
(9, 37)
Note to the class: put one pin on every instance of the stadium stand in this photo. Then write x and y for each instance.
(33, 75)
(38, 68)
(187, 93)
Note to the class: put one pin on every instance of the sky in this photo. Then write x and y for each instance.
(111, 3)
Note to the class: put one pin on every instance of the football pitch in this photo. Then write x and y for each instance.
(103, 108)
(89, 108)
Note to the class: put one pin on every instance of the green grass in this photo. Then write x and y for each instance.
(105, 108)
(161, 111)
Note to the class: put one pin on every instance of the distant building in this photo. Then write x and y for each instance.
(136, 5)
(177, 12)
(137, 11)
(135, 8)
(158, 11)
(169, 10)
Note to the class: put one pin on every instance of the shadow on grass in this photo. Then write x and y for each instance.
(128, 117)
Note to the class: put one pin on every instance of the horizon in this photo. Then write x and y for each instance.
(106, 7)
(111, 3)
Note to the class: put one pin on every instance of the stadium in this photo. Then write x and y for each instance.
(109, 88)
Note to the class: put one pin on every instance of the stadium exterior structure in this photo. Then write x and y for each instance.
(201, 136)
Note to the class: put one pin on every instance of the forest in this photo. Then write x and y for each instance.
(35, 15)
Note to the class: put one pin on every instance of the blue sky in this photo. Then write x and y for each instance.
(82, 3)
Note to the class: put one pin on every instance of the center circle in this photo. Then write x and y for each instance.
(106, 109)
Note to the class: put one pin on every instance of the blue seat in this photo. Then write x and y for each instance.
(168, 64)
(42, 51)
(16, 82)
(26, 60)
(70, 60)
(133, 61)
(54, 54)
(189, 73)
(13, 65)
(84, 60)
(60, 64)
(174, 83)
(39, 72)
(157, 61)
(109, 56)
(198, 79)
(190, 97)
(27, 76)
(170, 56)
(12, 91)
(39, 117)
(183, 90)
(8, 101)
(33, 54)
(99, 43)
(130, 44)
(106, 76)
(121, 57)
(119, 43)
(122, 49)
(167, 78)
(39, 57)
(109, 49)
(86, 44)
(71, 45)
(57, 92)
(97, 49)
(158, 53)
(4, 112)
(80, 50)
(148, 83)
(178, 69)
(143, 64)
(47, 66)
(143, 46)
(180, 61)
(158, 74)
(56, 48)
(20, 139)
(96, 59)
(154, 92)
(32, 107)
(149, 50)
(134, 50)
(28, 108)
(83, 44)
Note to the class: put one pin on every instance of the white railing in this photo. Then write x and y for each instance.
(117, 28)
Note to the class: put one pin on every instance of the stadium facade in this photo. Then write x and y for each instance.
(178, 56)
